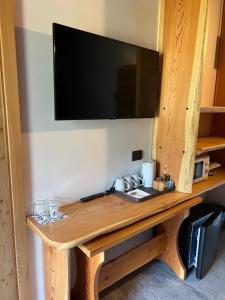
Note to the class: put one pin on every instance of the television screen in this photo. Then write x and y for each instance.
(100, 78)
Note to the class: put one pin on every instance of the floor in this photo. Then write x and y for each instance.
(156, 282)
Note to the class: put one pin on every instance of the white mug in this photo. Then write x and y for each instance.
(148, 173)
(136, 181)
(128, 181)
(121, 185)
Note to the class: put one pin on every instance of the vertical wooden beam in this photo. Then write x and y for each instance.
(8, 276)
(177, 126)
(172, 255)
(13, 196)
(57, 273)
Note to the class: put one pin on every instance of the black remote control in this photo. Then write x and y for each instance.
(92, 197)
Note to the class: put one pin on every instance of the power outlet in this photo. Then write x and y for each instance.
(137, 155)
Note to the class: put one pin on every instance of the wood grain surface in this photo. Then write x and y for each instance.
(108, 241)
(86, 287)
(12, 188)
(219, 120)
(88, 220)
(172, 255)
(183, 42)
(7, 252)
(210, 143)
(209, 72)
(57, 273)
(213, 109)
(205, 125)
(220, 86)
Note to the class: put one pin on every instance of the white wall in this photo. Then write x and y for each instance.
(74, 158)
(128, 20)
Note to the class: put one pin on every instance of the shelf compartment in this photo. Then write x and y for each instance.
(212, 109)
(212, 182)
(210, 143)
(214, 166)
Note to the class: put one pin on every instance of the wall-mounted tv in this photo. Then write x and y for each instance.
(101, 78)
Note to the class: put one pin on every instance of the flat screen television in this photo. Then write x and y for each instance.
(96, 77)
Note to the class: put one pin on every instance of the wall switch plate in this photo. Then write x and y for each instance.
(137, 155)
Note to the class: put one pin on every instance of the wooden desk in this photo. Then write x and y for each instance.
(87, 221)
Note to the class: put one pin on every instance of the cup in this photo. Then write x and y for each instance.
(136, 181)
(53, 207)
(121, 185)
(39, 207)
(128, 181)
(148, 173)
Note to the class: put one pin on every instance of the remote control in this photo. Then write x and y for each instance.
(92, 197)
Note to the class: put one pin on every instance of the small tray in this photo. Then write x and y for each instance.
(153, 193)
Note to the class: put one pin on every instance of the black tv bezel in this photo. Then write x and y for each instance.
(156, 96)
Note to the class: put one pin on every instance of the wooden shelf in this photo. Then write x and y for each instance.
(210, 143)
(212, 109)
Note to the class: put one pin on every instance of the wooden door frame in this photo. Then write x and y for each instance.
(13, 194)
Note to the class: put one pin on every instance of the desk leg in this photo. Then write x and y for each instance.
(88, 268)
(56, 273)
(172, 255)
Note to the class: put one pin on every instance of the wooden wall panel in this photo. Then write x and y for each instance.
(205, 125)
(218, 121)
(220, 86)
(213, 29)
(8, 276)
(177, 126)
(14, 188)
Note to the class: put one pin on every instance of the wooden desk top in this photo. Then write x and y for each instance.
(88, 220)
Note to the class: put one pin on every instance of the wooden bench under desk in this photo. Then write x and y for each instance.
(87, 221)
